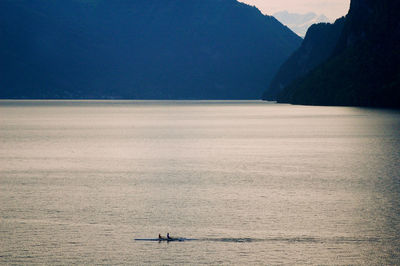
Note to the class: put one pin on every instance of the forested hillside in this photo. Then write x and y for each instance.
(142, 49)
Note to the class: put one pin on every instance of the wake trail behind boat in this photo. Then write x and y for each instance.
(272, 239)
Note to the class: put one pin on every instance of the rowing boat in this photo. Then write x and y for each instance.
(163, 239)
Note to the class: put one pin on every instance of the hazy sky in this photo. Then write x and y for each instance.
(333, 9)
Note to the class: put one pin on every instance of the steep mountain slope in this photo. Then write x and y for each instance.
(364, 69)
(142, 49)
(317, 46)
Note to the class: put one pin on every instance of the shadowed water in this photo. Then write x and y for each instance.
(95, 182)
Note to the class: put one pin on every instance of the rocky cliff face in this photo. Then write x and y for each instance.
(318, 45)
(364, 69)
(370, 21)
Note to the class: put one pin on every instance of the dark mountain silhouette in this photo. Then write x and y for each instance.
(318, 45)
(364, 69)
(141, 49)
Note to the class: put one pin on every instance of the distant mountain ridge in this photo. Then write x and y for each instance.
(364, 67)
(142, 49)
(300, 23)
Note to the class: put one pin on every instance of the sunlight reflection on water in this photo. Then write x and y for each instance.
(253, 182)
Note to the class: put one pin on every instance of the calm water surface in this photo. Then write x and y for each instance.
(253, 182)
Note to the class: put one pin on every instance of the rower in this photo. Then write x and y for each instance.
(168, 237)
(159, 236)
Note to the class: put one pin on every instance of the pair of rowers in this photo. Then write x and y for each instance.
(160, 237)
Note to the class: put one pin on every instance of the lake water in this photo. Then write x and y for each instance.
(252, 182)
